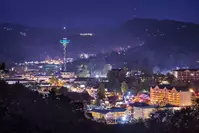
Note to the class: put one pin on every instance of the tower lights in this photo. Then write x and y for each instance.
(64, 43)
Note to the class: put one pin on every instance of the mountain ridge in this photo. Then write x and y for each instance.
(31, 43)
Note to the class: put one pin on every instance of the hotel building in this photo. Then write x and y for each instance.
(186, 74)
(162, 95)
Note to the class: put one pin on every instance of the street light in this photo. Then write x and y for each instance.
(191, 90)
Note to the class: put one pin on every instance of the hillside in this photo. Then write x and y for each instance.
(164, 33)
(19, 43)
(160, 42)
(167, 44)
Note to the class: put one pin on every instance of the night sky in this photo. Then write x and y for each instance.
(94, 13)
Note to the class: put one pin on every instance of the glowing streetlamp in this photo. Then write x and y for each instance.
(191, 90)
(64, 42)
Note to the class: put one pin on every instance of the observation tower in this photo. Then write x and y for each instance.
(64, 43)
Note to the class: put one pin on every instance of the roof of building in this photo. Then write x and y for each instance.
(169, 87)
(43, 75)
(44, 83)
(107, 85)
(100, 111)
(66, 78)
(19, 80)
(116, 109)
(169, 105)
(187, 70)
(139, 104)
(84, 79)
(113, 109)
(67, 72)
(151, 106)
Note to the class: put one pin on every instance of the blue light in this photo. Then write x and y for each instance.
(64, 41)
(124, 118)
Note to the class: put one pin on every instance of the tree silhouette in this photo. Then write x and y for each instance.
(54, 92)
(185, 120)
(124, 87)
(97, 101)
(182, 121)
(170, 78)
(2, 66)
(116, 77)
(101, 91)
(160, 121)
(145, 85)
(21, 105)
(63, 90)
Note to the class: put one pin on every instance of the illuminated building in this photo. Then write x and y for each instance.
(21, 81)
(98, 114)
(69, 59)
(40, 77)
(85, 81)
(18, 76)
(3, 75)
(86, 56)
(142, 112)
(163, 95)
(186, 74)
(54, 61)
(20, 69)
(113, 113)
(116, 113)
(68, 75)
(49, 67)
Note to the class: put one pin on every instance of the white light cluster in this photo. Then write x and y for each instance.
(86, 34)
(31, 62)
(8, 29)
(86, 56)
(23, 33)
(69, 59)
(54, 61)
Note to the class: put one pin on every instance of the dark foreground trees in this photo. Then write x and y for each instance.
(182, 121)
(22, 110)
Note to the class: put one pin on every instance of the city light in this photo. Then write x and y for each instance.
(96, 76)
(86, 34)
(124, 118)
(191, 90)
(82, 86)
